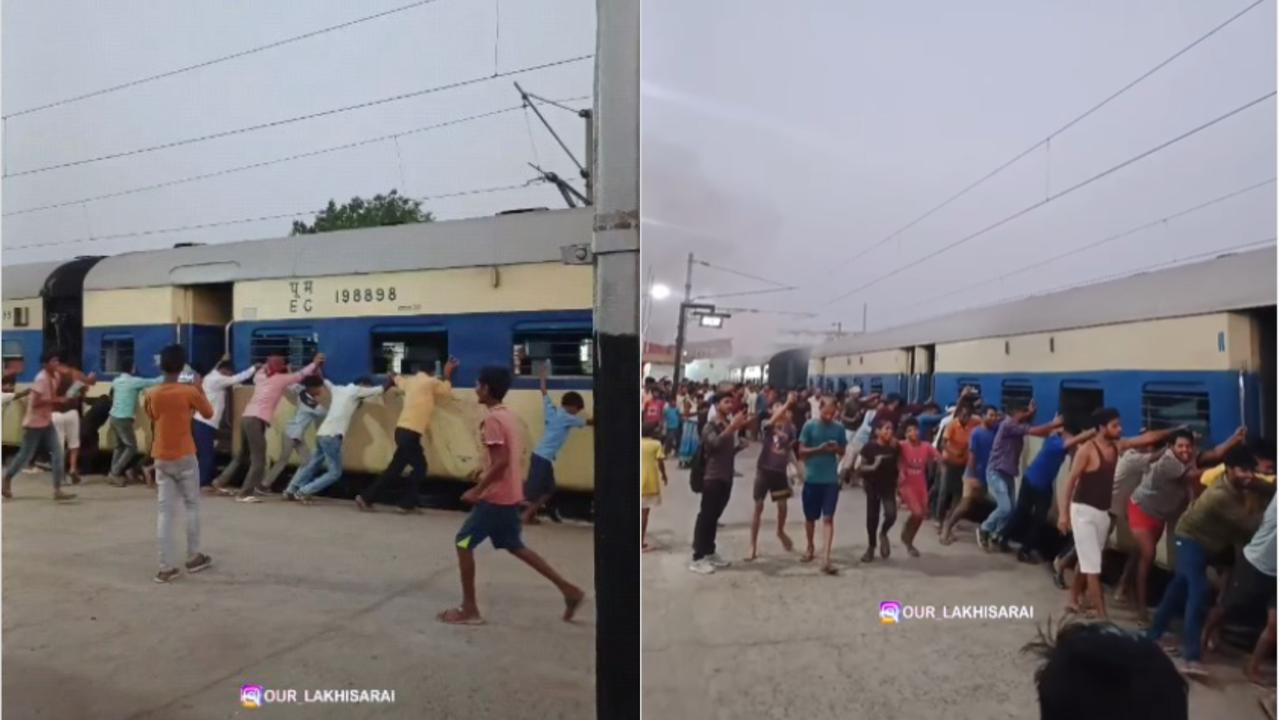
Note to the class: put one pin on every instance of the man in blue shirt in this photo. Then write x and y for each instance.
(975, 486)
(1035, 496)
(557, 422)
(822, 442)
(126, 458)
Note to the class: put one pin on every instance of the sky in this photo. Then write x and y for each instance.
(61, 48)
(792, 145)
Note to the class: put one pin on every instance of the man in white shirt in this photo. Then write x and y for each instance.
(343, 402)
(205, 430)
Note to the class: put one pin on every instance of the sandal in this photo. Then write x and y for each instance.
(455, 616)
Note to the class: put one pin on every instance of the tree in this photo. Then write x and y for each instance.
(389, 209)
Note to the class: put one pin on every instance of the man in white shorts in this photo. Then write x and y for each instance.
(72, 384)
(1089, 490)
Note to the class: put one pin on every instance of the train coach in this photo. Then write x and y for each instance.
(490, 291)
(1190, 345)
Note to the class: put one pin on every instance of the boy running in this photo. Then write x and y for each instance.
(38, 430)
(496, 497)
(822, 442)
(652, 469)
(557, 423)
(777, 448)
(880, 472)
(170, 406)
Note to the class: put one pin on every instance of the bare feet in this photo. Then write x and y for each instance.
(752, 556)
(808, 556)
(572, 602)
(363, 505)
(786, 541)
(912, 551)
(830, 570)
(869, 555)
(460, 616)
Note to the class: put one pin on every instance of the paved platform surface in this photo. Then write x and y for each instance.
(777, 639)
(319, 597)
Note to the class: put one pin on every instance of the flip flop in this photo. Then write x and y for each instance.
(454, 616)
(571, 606)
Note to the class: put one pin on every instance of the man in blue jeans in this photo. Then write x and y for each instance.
(344, 400)
(1002, 468)
(1216, 521)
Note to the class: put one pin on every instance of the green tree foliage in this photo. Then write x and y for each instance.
(389, 209)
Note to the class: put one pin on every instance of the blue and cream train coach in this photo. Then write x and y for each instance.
(490, 291)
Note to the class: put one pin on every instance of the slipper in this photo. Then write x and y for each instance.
(830, 570)
(454, 616)
(571, 606)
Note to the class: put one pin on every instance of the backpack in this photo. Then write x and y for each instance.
(697, 469)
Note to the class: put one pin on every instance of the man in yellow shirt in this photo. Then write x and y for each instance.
(421, 389)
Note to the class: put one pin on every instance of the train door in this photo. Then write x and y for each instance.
(1265, 319)
(63, 295)
(1077, 403)
(924, 373)
(203, 324)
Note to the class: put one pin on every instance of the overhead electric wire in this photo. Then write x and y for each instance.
(215, 61)
(744, 292)
(1049, 199)
(241, 221)
(299, 118)
(1098, 243)
(1003, 166)
(739, 273)
(1255, 245)
(276, 161)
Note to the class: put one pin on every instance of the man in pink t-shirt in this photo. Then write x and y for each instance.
(497, 496)
(37, 427)
(269, 385)
(914, 458)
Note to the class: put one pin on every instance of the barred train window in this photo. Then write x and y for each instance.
(1015, 394)
(1077, 403)
(117, 353)
(298, 346)
(877, 385)
(568, 350)
(1166, 405)
(409, 349)
(12, 349)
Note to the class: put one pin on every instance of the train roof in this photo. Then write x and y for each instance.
(499, 240)
(21, 282)
(1228, 282)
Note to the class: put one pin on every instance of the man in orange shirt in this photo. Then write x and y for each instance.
(955, 456)
(170, 406)
(496, 497)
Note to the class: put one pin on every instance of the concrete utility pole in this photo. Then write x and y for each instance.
(616, 249)
(684, 304)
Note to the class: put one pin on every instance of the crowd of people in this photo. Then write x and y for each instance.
(949, 464)
(186, 410)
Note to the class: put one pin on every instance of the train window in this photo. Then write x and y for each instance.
(1077, 403)
(1015, 394)
(877, 386)
(963, 383)
(568, 350)
(12, 349)
(298, 346)
(406, 350)
(21, 317)
(117, 353)
(1165, 406)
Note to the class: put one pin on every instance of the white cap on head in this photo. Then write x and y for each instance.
(855, 390)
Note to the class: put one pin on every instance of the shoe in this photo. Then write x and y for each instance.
(249, 499)
(198, 563)
(1003, 545)
(554, 515)
(75, 478)
(165, 576)
(363, 505)
(984, 540)
(117, 481)
(63, 496)
(264, 491)
(869, 555)
(134, 475)
(702, 567)
(717, 561)
(288, 496)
